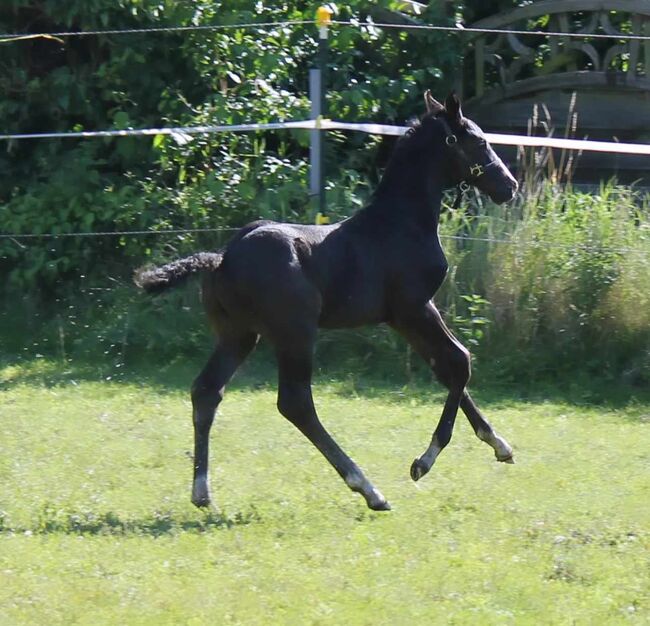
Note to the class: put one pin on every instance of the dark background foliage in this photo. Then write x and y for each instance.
(73, 295)
(218, 77)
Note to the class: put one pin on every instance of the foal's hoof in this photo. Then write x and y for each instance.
(379, 506)
(377, 502)
(201, 502)
(418, 469)
(507, 459)
(200, 493)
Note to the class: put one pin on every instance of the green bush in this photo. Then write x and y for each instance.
(543, 289)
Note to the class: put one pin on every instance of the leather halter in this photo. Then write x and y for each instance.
(475, 170)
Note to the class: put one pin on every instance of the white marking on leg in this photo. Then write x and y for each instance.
(356, 481)
(502, 449)
(430, 456)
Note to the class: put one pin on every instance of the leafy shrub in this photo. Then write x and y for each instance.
(200, 77)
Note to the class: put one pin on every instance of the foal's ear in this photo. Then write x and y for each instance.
(433, 106)
(452, 104)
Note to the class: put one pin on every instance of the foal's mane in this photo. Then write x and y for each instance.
(415, 126)
(401, 153)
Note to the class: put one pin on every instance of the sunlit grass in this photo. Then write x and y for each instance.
(97, 528)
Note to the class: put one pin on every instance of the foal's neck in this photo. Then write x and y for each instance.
(412, 185)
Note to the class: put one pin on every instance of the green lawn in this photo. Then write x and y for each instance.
(96, 525)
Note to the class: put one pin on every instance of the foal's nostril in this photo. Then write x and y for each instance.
(513, 188)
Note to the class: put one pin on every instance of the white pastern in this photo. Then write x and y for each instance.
(357, 482)
(502, 449)
(430, 456)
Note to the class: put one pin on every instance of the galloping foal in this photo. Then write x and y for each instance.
(382, 265)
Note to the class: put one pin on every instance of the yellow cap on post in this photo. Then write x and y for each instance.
(323, 16)
(322, 220)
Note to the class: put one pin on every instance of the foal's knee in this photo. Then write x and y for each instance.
(462, 364)
(205, 397)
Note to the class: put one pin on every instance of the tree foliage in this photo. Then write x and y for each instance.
(225, 76)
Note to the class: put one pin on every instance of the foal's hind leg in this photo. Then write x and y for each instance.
(295, 402)
(450, 361)
(207, 393)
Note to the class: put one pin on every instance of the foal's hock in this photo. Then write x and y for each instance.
(382, 265)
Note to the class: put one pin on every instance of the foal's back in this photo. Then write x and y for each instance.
(330, 276)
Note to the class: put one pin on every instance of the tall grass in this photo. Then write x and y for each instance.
(567, 277)
(550, 286)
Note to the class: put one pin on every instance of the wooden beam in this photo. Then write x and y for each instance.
(576, 81)
(550, 7)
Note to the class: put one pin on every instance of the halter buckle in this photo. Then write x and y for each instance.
(476, 170)
(464, 186)
(450, 140)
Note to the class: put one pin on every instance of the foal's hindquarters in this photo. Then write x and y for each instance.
(273, 298)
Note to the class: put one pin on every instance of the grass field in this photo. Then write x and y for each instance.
(96, 525)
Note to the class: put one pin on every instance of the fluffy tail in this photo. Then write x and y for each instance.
(157, 279)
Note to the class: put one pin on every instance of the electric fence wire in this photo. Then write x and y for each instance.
(457, 28)
(8, 37)
(17, 237)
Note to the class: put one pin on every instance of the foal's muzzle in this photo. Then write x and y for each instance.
(505, 193)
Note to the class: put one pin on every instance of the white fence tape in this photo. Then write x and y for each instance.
(507, 140)
(183, 134)
(371, 129)
(177, 133)
(569, 144)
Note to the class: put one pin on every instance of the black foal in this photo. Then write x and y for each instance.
(382, 265)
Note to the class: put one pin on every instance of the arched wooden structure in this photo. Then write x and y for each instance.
(506, 75)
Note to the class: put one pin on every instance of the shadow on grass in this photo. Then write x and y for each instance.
(170, 375)
(52, 521)
(393, 386)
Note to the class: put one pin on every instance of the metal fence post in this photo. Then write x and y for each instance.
(318, 111)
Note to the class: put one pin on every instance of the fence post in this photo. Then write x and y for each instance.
(318, 111)
(315, 142)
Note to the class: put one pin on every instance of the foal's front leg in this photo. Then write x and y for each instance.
(484, 430)
(295, 402)
(450, 361)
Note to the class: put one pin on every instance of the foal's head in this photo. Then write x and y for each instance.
(470, 159)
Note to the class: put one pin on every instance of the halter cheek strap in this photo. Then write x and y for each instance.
(463, 186)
